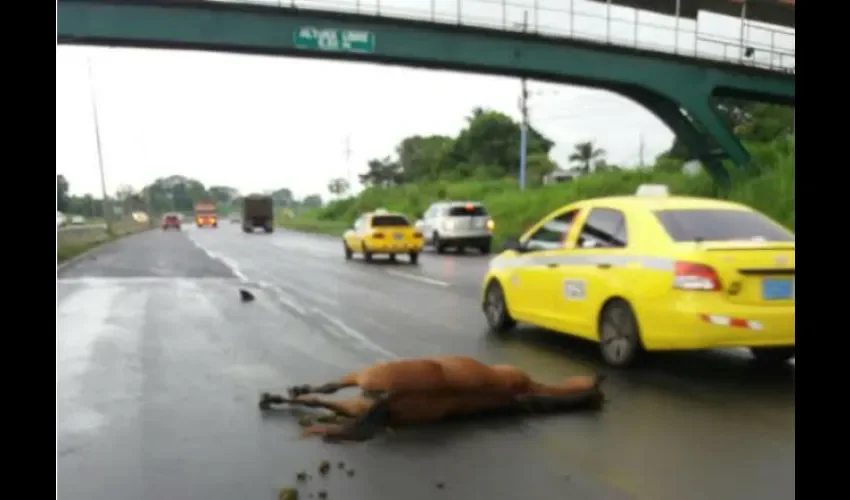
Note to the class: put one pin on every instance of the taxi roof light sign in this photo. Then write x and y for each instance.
(660, 190)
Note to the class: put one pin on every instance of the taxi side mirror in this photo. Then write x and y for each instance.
(514, 244)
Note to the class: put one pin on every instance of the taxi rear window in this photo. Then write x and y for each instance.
(467, 211)
(720, 225)
(389, 221)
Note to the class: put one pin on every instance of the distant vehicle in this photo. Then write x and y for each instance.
(78, 219)
(382, 232)
(235, 219)
(257, 211)
(651, 272)
(457, 224)
(206, 214)
(171, 221)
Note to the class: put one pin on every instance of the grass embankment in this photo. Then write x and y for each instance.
(770, 190)
(71, 241)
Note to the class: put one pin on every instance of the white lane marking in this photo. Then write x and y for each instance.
(421, 279)
(283, 297)
(351, 332)
(228, 262)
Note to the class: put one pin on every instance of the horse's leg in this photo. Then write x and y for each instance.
(363, 427)
(329, 388)
(345, 408)
(536, 403)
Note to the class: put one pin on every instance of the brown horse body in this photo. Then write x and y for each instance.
(429, 390)
(443, 374)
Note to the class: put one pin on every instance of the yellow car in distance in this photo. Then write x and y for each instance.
(651, 272)
(382, 232)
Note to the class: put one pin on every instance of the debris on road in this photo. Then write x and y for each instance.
(245, 295)
(288, 494)
(324, 467)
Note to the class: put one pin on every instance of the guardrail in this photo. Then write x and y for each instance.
(754, 46)
(89, 234)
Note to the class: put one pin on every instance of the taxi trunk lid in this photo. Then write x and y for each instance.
(395, 233)
(751, 272)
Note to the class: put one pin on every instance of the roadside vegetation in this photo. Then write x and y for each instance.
(71, 241)
(480, 164)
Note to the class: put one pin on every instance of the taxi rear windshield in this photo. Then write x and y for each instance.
(467, 211)
(389, 221)
(720, 225)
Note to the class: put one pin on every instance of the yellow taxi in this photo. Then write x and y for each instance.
(383, 232)
(651, 272)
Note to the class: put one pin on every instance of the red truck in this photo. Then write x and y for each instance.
(206, 214)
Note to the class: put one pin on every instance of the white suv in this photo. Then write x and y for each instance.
(457, 224)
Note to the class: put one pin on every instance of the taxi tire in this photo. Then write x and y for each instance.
(772, 355)
(502, 322)
(438, 245)
(348, 253)
(367, 255)
(625, 329)
(414, 257)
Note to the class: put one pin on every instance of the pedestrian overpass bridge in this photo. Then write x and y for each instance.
(677, 83)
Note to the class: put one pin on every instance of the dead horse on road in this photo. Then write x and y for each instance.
(433, 389)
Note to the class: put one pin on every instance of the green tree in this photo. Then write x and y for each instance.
(491, 139)
(420, 158)
(384, 173)
(223, 195)
(585, 155)
(312, 201)
(283, 197)
(62, 198)
(338, 187)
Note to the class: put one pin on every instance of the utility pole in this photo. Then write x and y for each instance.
(347, 155)
(641, 149)
(523, 107)
(106, 215)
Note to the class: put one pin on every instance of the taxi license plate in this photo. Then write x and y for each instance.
(777, 289)
(398, 236)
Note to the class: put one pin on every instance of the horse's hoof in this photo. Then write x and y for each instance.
(265, 401)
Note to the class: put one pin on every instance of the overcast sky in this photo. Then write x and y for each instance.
(261, 123)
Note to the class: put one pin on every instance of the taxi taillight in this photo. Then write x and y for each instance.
(378, 236)
(417, 234)
(693, 276)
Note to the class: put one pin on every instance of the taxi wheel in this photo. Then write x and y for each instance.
(348, 252)
(773, 355)
(619, 338)
(496, 309)
(438, 245)
(414, 257)
(392, 257)
(367, 255)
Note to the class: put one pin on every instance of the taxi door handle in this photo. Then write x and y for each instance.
(552, 264)
(603, 265)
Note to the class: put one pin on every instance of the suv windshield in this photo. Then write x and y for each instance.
(389, 221)
(720, 225)
(467, 211)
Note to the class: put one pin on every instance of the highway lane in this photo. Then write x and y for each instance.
(159, 366)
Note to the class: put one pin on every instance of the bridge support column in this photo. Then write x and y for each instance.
(705, 113)
(671, 114)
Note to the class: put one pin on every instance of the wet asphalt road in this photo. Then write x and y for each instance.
(159, 367)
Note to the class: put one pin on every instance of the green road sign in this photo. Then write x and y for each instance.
(312, 38)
